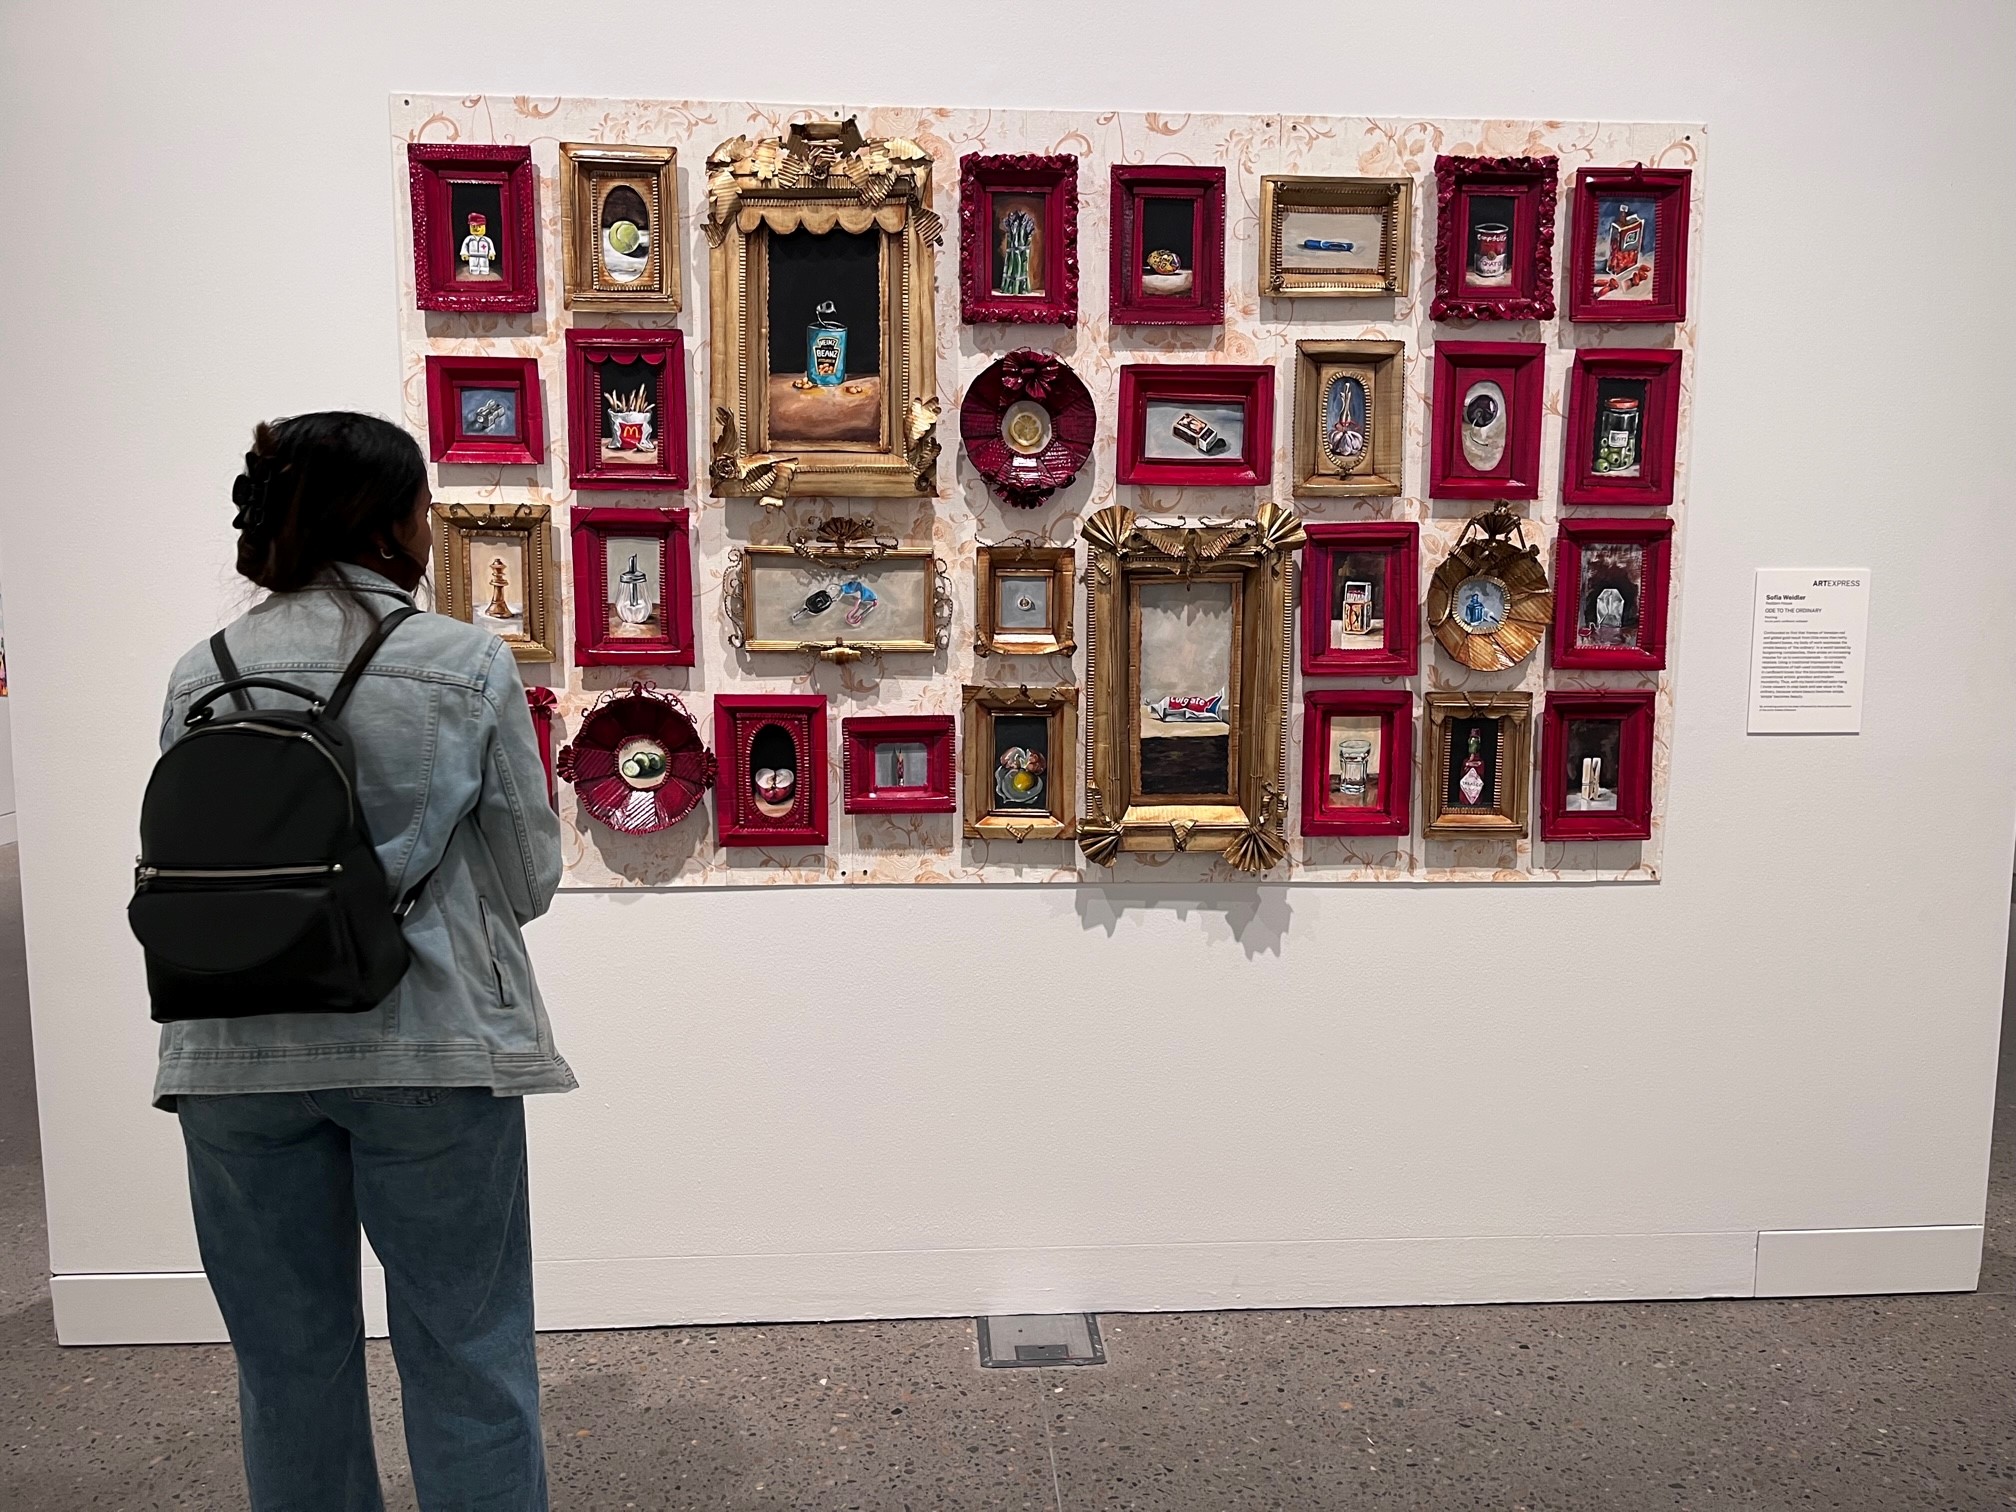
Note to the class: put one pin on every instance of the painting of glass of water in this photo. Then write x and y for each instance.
(902, 764)
(1356, 754)
(489, 411)
(1186, 672)
(1019, 252)
(633, 578)
(1613, 580)
(1627, 235)
(1332, 241)
(496, 575)
(824, 302)
(1181, 430)
(1358, 600)
(629, 413)
(1591, 775)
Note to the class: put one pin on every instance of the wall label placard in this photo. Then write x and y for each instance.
(1808, 641)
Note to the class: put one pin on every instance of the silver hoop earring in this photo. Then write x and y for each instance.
(390, 556)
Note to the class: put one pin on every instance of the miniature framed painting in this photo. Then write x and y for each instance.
(771, 790)
(1348, 404)
(633, 587)
(1334, 238)
(636, 762)
(619, 227)
(1023, 604)
(475, 232)
(1596, 766)
(485, 409)
(1357, 762)
(1477, 765)
(1623, 427)
(1187, 685)
(1611, 579)
(1028, 424)
(838, 592)
(1484, 438)
(1361, 599)
(1203, 423)
(1167, 240)
(1018, 238)
(1628, 257)
(1489, 602)
(626, 409)
(1494, 238)
(540, 703)
(1021, 762)
(823, 346)
(493, 563)
(897, 764)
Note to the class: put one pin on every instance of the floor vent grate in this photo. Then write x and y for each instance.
(1024, 1339)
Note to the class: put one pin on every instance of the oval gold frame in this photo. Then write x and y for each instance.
(1529, 600)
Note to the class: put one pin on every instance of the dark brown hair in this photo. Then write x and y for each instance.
(319, 489)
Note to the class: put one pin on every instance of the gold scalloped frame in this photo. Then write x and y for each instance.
(1258, 556)
(821, 176)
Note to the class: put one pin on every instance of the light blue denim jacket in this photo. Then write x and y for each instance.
(450, 777)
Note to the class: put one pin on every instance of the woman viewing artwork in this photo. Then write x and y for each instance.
(407, 1118)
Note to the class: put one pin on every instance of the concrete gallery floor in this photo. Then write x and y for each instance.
(1874, 1404)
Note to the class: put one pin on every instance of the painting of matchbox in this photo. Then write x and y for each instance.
(1210, 424)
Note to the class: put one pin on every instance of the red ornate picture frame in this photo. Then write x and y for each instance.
(755, 734)
(1156, 209)
(1623, 429)
(1627, 259)
(876, 752)
(1612, 801)
(1341, 797)
(995, 249)
(485, 410)
(1172, 415)
(639, 614)
(451, 182)
(1361, 626)
(1028, 423)
(540, 703)
(1594, 559)
(1494, 238)
(613, 412)
(1484, 438)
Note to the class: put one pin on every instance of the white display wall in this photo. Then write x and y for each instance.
(1770, 1073)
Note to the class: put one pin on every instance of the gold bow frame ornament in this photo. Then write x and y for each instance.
(1489, 602)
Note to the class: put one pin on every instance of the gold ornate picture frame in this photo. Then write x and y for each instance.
(1497, 768)
(1314, 235)
(839, 591)
(1021, 762)
(1489, 603)
(494, 565)
(823, 336)
(619, 227)
(1022, 599)
(1349, 398)
(1189, 634)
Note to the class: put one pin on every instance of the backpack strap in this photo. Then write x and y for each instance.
(228, 669)
(347, 683)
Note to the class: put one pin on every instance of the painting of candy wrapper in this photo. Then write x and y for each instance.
(1182, 709)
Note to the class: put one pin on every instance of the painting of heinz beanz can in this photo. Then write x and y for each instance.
(1627, 248)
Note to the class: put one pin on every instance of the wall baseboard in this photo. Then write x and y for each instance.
(1859, 1262)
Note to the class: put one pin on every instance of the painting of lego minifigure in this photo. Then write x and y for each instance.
(477, 210)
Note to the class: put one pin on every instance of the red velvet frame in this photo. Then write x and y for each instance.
(592, 645)
(860, 735)
(737, 718)
(1518, 367)
(1055, 177)
(1632, 818)
(539, 702)
(1132, 182)
(430, 166)
(1572, 534)
(588, 351)
(1250, 384)
(1673, 189)
(446, 441)
(1658, 428)
(1401, 541)
(1530, 295)
(1393, 813)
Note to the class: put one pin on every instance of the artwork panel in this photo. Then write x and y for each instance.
(1185, 430)
(1364, 229)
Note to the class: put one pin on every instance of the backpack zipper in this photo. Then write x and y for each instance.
(145, 873)
(349, 792)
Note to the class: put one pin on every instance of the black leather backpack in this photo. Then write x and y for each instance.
(258, 889)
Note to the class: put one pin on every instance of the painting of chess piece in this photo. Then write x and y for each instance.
(632, 570)
(824, 297)
(497, 569)
(1019, 251)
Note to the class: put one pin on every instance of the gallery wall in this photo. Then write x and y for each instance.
(822, 1102)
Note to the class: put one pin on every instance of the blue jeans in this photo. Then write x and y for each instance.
(280, 1181)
